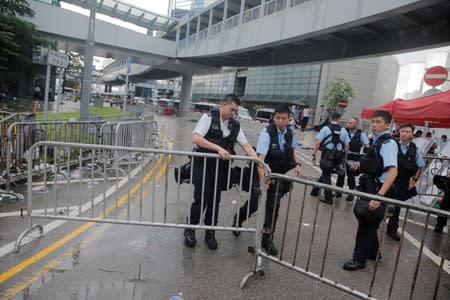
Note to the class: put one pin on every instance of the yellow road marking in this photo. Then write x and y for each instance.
(31, 260)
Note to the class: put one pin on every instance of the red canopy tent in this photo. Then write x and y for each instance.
(434, 109)
(366, 113)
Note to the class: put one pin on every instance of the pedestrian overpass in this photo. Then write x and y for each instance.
(252, 33)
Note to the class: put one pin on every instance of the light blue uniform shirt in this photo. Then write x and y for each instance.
(325, 131)
(388, 151)
(364, 139)
(264, 141)
(419, 155)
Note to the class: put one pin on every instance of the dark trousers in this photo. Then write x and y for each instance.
(350, 180)
(402, 195)
(350, 174)
(326, 179)
(272, 204)
(445, 205)
(366, 245)
(208, 192)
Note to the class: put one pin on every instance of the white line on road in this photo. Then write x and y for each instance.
(8, 248)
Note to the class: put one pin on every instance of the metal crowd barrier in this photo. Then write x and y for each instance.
(147, 195)
(311, 245)
(5, 122)
(433, 166)
(137, 134)
(22, 135)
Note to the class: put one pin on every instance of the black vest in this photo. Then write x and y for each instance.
(280, 161)
(215, 134)
(355, 141)
(407, 166)
(372, 162)
(335, 134)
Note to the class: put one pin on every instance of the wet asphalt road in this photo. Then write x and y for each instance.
(134, 262)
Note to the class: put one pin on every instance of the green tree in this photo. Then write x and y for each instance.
(17, 40)
(336, 90)
(74, 71)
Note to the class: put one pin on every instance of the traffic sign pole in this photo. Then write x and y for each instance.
(47, 85)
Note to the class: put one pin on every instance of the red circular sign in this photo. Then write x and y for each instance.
(435, 76)
(342, 103)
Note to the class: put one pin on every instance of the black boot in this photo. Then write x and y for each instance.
(189, 237)
(235, 232)
(268, 245)
(210, 239)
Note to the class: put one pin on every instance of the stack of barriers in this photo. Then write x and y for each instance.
(315, 245)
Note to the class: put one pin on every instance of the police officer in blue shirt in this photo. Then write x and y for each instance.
(382, 168)
(333, 141)
(410, 163)
(276, 145)
(358, 139)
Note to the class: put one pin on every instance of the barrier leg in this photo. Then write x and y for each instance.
(25, 233)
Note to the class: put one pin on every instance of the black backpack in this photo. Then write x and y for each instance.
(331, 158)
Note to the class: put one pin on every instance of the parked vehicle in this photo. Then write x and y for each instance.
(264, 114)
(203, 106)
(243, 114)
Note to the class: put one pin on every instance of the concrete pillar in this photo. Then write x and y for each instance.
(288, 4)
(178, 34)
(225, 14)
(110, 88)
(241, 13)
(105, 90)
(185, 95)
(263, 8)
(198, 27)
(88, 60)
(211, 15)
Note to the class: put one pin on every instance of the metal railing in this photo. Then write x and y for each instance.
(134, 198)
(232, 22)
(22, 135)
(252, 14)
(216, 28)
(274, 6)
(425, 188)
(202, 34)
(309, 241)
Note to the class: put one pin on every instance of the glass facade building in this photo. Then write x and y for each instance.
(213, 86)
(290, 83)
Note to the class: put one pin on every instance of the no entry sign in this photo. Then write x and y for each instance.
(342, 103)
(435, 76)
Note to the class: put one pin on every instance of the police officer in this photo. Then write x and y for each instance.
(333, 141)
(216, 132)
(276, 144)
(358, 139)
(410, 163)
(384, 160)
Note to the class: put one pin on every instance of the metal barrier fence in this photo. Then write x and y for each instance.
(134, 134)
(94, 193)
(433, 166)
(22, 135)
(312, 243)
